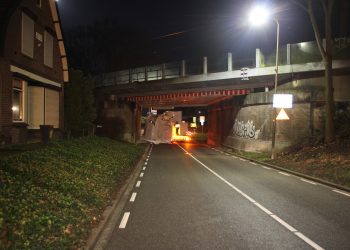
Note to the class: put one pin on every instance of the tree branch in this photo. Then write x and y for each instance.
(302, 6)
(324, 7)
(316, 30)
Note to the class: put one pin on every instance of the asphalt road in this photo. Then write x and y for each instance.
(196, 197)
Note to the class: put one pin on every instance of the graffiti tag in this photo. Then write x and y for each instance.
(245, 129)
(341, 43)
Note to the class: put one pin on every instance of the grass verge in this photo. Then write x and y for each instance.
(50, 198)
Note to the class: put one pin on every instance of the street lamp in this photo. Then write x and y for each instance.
(257, 17)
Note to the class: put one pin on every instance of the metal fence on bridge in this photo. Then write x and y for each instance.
(299, 53)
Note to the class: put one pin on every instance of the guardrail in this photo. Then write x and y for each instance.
(298, 53)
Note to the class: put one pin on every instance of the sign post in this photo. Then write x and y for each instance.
(279, 101)
(202, 120)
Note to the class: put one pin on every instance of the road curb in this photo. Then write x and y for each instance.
(312, 178)
(100, 235)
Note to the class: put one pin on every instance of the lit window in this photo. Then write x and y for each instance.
(48, 49)
(27, 35)
(17, 100)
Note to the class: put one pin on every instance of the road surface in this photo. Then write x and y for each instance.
(196, 197)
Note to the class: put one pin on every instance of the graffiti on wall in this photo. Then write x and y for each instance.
(341, 43)
(245, 129)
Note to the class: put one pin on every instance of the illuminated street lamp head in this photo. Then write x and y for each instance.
(259, 15)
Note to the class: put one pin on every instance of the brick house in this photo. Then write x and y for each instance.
(33, 69)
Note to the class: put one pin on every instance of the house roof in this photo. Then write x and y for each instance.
(7, 8)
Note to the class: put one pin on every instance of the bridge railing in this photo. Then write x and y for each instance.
(299, 53)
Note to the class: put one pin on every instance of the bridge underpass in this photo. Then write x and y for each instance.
(124, 93)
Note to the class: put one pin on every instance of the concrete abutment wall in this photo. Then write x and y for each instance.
(245, 123)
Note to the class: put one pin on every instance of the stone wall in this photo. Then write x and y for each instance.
(250, 120)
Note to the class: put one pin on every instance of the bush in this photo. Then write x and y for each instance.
(51, 197)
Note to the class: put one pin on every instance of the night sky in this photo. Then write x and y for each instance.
(184, 29)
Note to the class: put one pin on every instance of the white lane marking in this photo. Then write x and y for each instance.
(242, 159)
(254, 163)
(283, 223)
(341, 192)
(234, 157)
(263, 208)
(266, 167)
(308, 241)
(213, 148)
(141, 175)
(147, 160)
(133, 197)
(284, 173)
(124, 220)
(146, 163)
(311, 182)
(138, 184)
(227, 154)
(144, 168)
(275, 217)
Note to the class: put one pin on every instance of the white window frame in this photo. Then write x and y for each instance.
(26, 44)
(22, 102)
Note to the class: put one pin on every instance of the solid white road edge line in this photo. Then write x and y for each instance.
(275, 217)
(340, 192)
(284, 173)
(138, 184)
(311, 182)
(124, 220)
(133, 197)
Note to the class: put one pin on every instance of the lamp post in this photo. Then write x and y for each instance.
(258, 16)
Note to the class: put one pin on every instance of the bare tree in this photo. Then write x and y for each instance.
(327, 57)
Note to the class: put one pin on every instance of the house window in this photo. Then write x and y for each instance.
(17, 101)
(48, 49)
(27, 35)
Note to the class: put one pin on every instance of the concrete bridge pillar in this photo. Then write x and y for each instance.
(136, 123)
(229, 61)
(288, 54)
(183, 68)
(205, 65)
(257, 58)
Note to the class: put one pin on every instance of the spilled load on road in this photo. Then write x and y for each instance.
(166, 128)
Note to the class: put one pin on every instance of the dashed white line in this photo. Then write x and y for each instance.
(124, 220)
(275, 217)
(146, 163)
(341, 192)
(227, 154)
(266, 167)
(144, 168)
(310, 182)
(138, 183)
(254, 163)
(141, 175)
(133, 197)
(284, 173)
(308, 241)
(234, 157)
(242, 159)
